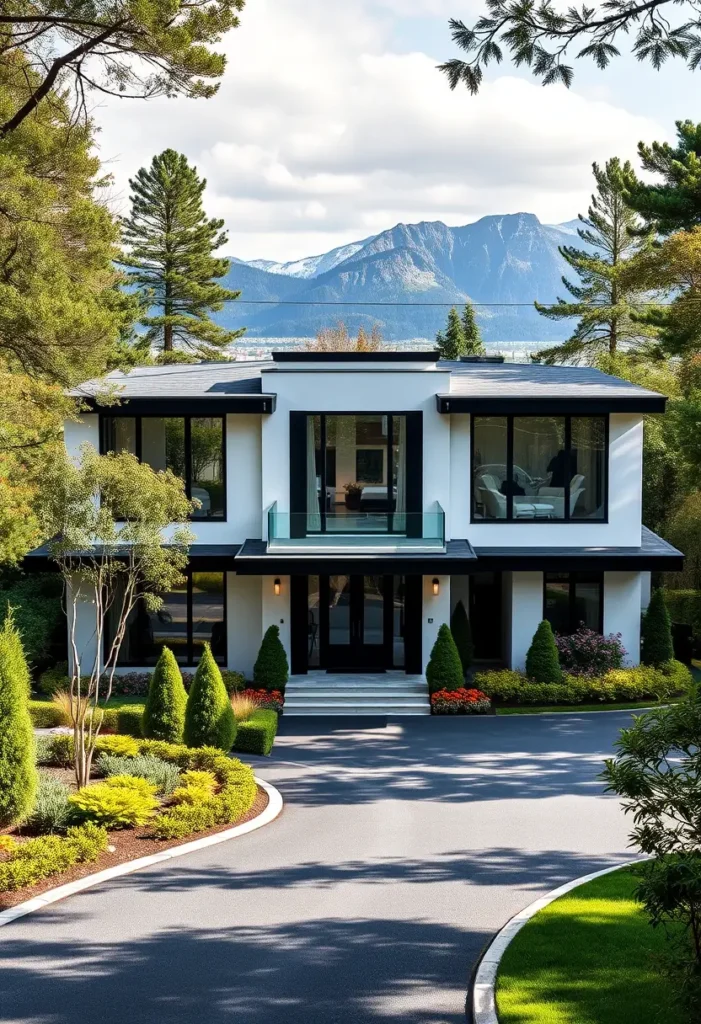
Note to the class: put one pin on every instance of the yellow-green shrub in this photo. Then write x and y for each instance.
(124, 746)
(35, 859)
(134, 782)
(112, 806)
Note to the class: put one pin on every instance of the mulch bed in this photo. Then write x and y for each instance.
(129, 844)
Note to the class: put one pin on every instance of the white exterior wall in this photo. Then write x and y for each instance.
(85, 638)
(352, 391)
(625, 497)
(276, 609)
(244, 618)
(436, 611)
(84, 431)
(622, 601)
(526, 591)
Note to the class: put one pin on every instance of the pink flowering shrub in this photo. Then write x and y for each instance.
(587, 653)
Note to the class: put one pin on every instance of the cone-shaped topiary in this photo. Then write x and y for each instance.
(209, 717)
(542, 660)
(444, 670)
(18, 774)
(462, 635)
(164, 712)
(271, 669)
(657, 645)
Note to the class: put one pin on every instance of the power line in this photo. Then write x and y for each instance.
(419, 305)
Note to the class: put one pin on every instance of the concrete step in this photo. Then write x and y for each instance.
(385, 710)
(330, 697)
(371, 691)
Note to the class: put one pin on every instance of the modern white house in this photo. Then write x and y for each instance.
(353, 498)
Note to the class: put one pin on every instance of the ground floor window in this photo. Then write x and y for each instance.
(191, 615)
(572, 599)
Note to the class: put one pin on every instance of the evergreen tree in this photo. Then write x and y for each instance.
(657, 648)
(452, 344)
(209, 716)
(542, 660)
(674, 203)
(604, 305)
(18, 774)
(171, 245)
(474, 346)
(271, 669)
(164, 711)
(444, 669)
(462, 635)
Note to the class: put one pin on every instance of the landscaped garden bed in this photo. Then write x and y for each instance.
(589, 956)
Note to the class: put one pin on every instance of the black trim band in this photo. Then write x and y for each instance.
(430, 356)
(211, 405)
(550, 406)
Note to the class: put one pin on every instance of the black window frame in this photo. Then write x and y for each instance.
(510, 417)
(573, 579)
(221, 660)
(188, 418)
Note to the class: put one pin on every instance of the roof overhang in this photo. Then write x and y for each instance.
(549, 405)
(200, 405)
(255, 560)
(653, 555)
(201, 557)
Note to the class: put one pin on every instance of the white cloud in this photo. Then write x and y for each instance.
(322, 133)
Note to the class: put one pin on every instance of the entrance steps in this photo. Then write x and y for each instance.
(341, 693)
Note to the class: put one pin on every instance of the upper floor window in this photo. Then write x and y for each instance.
(191, 446)
(539, 468)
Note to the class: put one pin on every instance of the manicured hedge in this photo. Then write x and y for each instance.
(29, 862)
(45, 715)
(620, 685)
(257, 734)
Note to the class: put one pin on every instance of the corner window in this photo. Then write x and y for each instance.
(572, 600)
(191, 615)
(192, 447)
(539, 468)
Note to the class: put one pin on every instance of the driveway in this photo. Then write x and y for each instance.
(401, 849)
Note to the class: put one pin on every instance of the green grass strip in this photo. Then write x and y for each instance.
(588, 958)
(538, 710)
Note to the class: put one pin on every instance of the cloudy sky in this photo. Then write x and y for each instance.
(332, 124)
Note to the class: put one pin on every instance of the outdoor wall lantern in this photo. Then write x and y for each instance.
(436, 587)
(276, 588)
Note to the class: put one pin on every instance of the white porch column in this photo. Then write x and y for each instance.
(436, 611)
(244, 618)
(622, 604)
(276, 609)
(526, 592)
(85, 627)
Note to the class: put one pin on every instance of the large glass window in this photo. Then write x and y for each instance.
(190, 615)
(356, 473)
(192, 447)
(547, 468)
(574, 599)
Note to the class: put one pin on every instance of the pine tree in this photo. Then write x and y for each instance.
(674, 203)
(444, 669)
(542, 660)
(164, 712)
(171, 245)
(271, 669)
(604, 304)
(18, 774)
(462, 635)
(657, 648)
(452, 344)
(209, 716)
(474, 346)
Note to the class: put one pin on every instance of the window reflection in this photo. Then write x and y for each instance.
(208, 624)
(206, 465)
(120, 434)
(573, 600)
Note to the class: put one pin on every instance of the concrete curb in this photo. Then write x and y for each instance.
(484, 1007)
(271, 812)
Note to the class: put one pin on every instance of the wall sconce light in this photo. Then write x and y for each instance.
(436, 588)
(276, 588)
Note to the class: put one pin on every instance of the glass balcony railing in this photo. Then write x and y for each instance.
(356, 529)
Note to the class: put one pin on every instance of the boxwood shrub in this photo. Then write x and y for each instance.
(257, 734)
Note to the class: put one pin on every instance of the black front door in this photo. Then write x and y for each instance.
(486, 614)
(354, 622)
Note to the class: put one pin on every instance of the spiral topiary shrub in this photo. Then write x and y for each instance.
(209, 717)
(462, 635)
(271, 669)
(542, 660)
(657, 648)
(18, 773)
(444, 670)
(164, 713)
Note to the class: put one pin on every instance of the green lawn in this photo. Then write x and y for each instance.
(525, 709)
(588, 958)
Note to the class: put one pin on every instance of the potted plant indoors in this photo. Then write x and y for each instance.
(354, 493)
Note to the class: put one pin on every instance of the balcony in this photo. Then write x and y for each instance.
(357, 532)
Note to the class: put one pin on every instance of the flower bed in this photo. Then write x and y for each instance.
(617, 686)
(271, 700)
(460, 702)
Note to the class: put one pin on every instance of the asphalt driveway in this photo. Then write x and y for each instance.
(401, 849)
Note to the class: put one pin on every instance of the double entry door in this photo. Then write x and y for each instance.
(356, 622)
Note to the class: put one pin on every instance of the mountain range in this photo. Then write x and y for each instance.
(406, 278)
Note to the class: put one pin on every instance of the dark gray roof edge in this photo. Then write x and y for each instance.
(554, 404)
